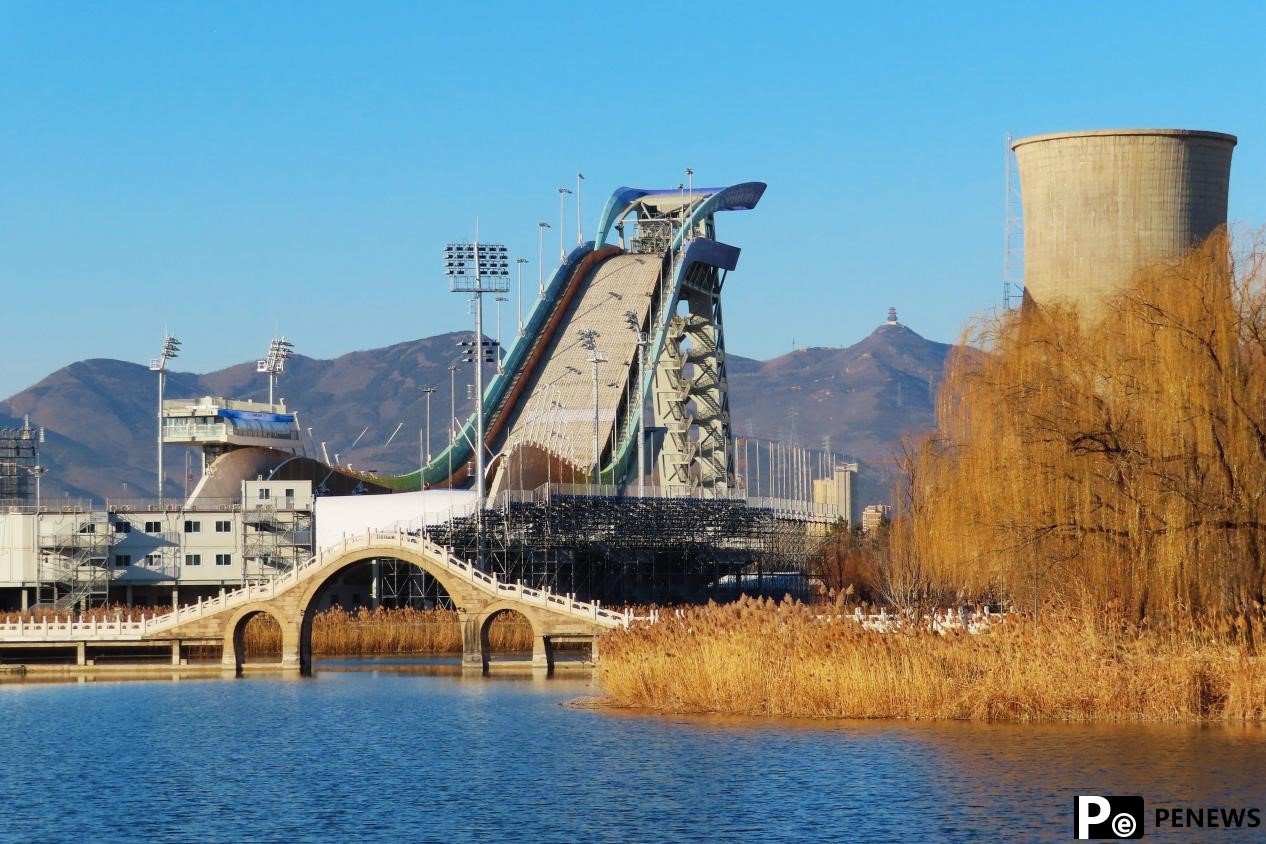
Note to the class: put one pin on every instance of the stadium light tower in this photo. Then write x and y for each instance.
(171, 348)
(589, 342)
(475, 269)
(520, 262)
(635, 325)
(540, 260)
(280, 350)
(562, 222)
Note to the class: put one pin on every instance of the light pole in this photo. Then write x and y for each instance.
(452, 418)
(520, 262)
(635, 325)
(499, 300)
(589, 342)
(171, 348)
(540, 260)
(426, 447)
(280, 350)
(562, 220)
(690, 198)
(580, 230)
(476, 269)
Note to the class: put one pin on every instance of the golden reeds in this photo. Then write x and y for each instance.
(338, 632)
(760, 658)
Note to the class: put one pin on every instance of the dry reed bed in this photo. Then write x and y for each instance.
(340, 632)
(762, 658)
(388, 631)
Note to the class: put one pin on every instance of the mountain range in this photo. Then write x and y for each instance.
(99, 414)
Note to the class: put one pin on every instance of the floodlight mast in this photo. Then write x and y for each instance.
(280, 350)
(477, 269)
(171, 348)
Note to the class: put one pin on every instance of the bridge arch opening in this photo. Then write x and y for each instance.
(507, 635)
(386, 582)
(368, 584)
(257, 637)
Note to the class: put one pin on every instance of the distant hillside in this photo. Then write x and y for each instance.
(100, 414)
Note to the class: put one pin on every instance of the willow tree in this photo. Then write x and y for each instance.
(1120, 460)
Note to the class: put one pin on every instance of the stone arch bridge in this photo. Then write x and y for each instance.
(292, 600)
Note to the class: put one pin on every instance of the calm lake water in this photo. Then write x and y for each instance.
(376, 751)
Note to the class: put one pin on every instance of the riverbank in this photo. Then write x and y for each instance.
(791, 660)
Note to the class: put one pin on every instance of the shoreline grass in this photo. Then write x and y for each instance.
(762, 658)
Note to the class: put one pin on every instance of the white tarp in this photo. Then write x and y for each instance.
(339, 515)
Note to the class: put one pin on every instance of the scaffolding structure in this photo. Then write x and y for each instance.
(402, 584)
(628, 550)
(277, 536)
(74, 557)
(19, 463)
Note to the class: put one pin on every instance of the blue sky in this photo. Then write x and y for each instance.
(234, 168)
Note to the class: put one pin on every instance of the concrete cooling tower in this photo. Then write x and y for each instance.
(1100, 205)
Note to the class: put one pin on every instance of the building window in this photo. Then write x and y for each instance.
(223, 526)
(153, 527)
(88, 527)
(192, 526)
(265, 493)
(153, 560)
(121, 560)
(224, 559)
(122, 527)
(193, 559)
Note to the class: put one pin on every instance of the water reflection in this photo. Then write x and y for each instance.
(420, 750)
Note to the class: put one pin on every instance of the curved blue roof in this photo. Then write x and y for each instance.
(740, 197)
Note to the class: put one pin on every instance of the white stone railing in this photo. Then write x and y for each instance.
(58, 629)
(69, 630)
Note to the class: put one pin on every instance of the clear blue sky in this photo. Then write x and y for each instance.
(228, 168)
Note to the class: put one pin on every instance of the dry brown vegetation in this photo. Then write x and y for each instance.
(1105, 476)
(338, 632)
(796, 660)
(1117, 462)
